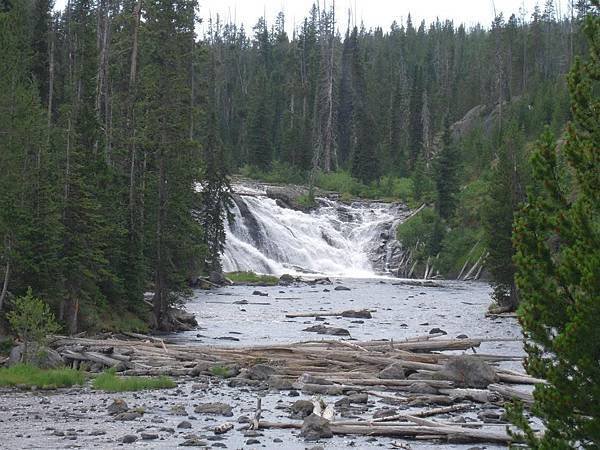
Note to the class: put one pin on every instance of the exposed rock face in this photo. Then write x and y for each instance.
(468, 372)
(287, 196)
(42, 357)
(315, 428)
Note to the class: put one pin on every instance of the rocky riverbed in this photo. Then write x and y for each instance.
(233, 316)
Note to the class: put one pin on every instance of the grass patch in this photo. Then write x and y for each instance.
(251, 277)
(110, 382)
(28, 375)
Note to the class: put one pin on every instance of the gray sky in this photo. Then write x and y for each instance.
(372, 12)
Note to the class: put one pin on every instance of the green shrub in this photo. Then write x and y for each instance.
(32, 321)
(220, 371)
(279, 173)
(340, 181)
(28, 375)
(306, 200)
(110, 382)
(251, 277)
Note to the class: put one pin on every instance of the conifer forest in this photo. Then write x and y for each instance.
(151, 151)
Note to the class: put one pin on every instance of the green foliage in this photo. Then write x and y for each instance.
(220, 371)
(418, 232)
(504, 195)
(28, 375)
(306, 200)
(252, 278)
(340, 181)
(278, 173)
(31, 319)
(110, 382)
(557, 240)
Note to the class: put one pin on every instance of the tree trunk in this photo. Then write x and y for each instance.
(6, 273)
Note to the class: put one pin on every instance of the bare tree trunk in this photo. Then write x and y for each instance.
(131, 111)
(50, 87)
(159, 301)
(6, 271)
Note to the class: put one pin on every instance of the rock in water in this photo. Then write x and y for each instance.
(217, 408)
(392, 372)
(361, 314)
(117, 406)
(262, 294)
(322, 329)
(128, 439)
(468, 372)
(286, 279)
(315, 428)
(341, 288)
(217, 278)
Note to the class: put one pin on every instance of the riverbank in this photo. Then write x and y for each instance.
(79, 416)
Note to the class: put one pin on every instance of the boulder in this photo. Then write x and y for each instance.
(262, 294)
(437, 331)
(315, 427)
(394, 371)
(129, 438)
(216, 408)
(39, 356)
(301, 409)
(260, 372)
(360, 314)
(468, 372)
(279, 383)
(341, 288)
(286, 279)
(117, 406)
(217, 278)
(289, 197)
(384, 412)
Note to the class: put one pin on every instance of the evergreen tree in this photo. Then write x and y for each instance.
(447, 176)
(505, 193)
(259, 131)
(557, 238)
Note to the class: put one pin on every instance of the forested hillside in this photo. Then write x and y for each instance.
(117, 120)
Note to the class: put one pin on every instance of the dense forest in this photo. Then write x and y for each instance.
(118, 120)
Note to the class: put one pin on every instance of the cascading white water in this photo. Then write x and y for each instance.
(354, 240)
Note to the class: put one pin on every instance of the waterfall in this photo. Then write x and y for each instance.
(338, 239)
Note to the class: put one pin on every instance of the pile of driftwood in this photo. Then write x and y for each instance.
(408, 374)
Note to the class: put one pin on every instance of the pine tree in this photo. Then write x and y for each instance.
(557, 238)
(447, 176)
(505, 193)
(259, 131)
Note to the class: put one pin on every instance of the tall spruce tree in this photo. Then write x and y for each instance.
(447, 176)
(557, 238)
(504, 196)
